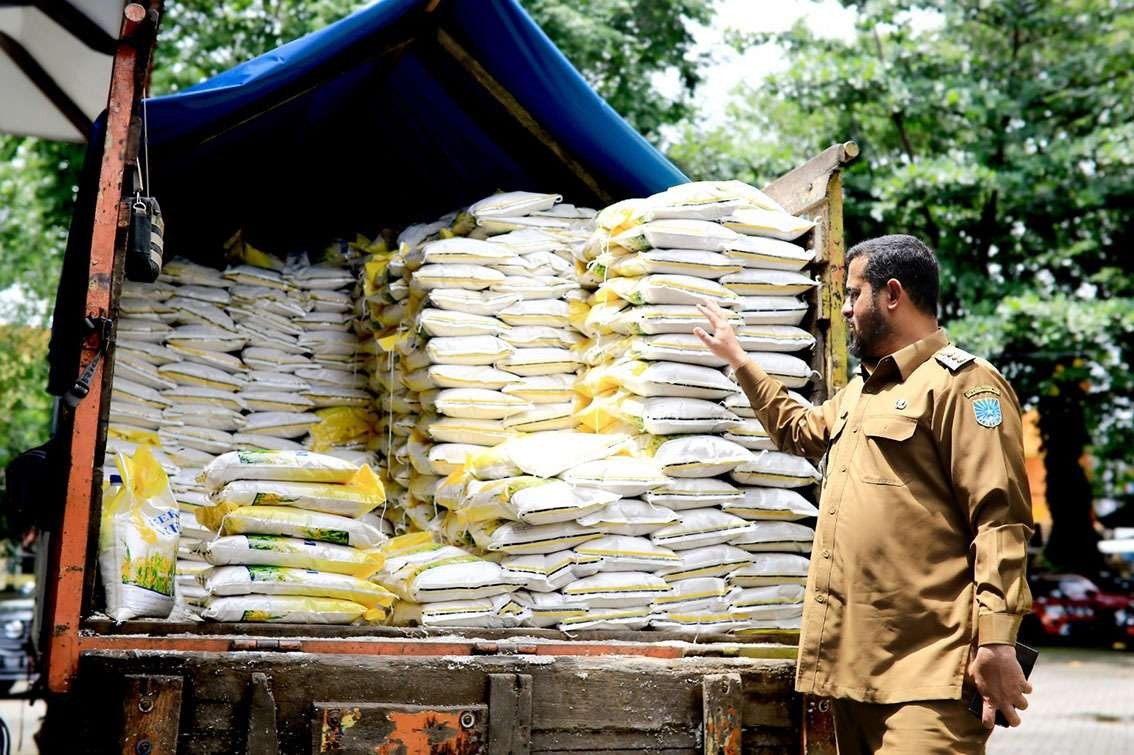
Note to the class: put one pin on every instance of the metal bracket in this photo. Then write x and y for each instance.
(262, 737)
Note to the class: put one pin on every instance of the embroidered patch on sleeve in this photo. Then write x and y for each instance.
(982, 389)
(987, 411)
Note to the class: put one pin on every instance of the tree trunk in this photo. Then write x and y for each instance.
(1073, 543)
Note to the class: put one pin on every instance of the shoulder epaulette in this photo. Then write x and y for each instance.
(954, 358)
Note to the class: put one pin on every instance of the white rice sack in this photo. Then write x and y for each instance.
(629, 516)
(709, 594)
(738, 404)
(685, 348)
(543, 573)
(469, 376)
(363, 494)
(486, 303)
(665, 415)
(541, 336)
(771, 223)
(618, 589)
(664, 318)
(628, 477)
(701, 527)
(467, 350)
(775, 338)
(519, 538)
(188, 373)
(671, 289)
(768, 254)
(542, 389)
(209, 294)
(652, 379)
(553, 313)
(777, 537)
(468, 277)
(555, 501)
(235, 519)
(628, 553)
(144, 351)
(201, 415)
(206, 338)
(294, 466)
(696, 623)
(675, 234)
(768, 614)
(138, 540)
(513, 203)
(263, 380)
(772, 310)
(533, 288)
(710, 561)
(343, 378)
(188, 273)
(190, 458)
(137, 415)
(136, 329)
(322, 277)
(754, 282)
(217, 359)
(255, 442)
(771, 569)
(700, 456)
(680, 494)
(532, 362)
(158, 290)
(772, 503)
(699, 264)
(769, 595)
(793, 372)
(465, 250)
(617, 619)
(426, 572)
(190, 394)
(446, 458)
(226, 581)
(775, 469)
(442, 322)
(268, 550)
(549, 609)
(186, 311)
(324, 396)
(142, 373)
(290, 609)
(543, 418)
(127, 391)
(752, 435)
(478, 403)
(709, 200)
(495, 612)
(204, 439)
(276, 401)
(476, 432)
(268, 359)
(280, 424)
(249, 275)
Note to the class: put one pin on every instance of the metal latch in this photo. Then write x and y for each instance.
(502, 648)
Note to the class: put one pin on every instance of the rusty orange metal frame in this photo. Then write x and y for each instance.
(65, 599)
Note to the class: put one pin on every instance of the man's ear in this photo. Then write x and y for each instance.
(895, 292)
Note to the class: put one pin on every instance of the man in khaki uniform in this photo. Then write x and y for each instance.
(918, 566)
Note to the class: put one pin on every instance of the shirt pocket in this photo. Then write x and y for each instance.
(886, 456)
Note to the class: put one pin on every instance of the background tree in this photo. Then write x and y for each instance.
(1002, 135)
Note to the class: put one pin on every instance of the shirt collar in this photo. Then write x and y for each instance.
(908, 358)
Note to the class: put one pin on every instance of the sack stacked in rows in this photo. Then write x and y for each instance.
(651, 262)
(484, 349)
(251, 357)
(290, 541)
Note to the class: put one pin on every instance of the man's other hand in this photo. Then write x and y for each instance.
(1001, 683)
(723, 341)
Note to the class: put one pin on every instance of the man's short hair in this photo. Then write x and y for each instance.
(907, 260)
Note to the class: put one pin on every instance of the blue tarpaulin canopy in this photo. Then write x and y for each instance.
(403, 111)
(399, 113)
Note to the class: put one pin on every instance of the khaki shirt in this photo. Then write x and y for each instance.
(921, 544)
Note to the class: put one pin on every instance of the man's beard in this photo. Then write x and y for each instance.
(873, 330)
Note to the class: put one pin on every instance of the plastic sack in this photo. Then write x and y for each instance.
(289, 466)
(270, 550)
(290, 609)
(359, 495)
(225, 581)
(138, 540)
(235, 519)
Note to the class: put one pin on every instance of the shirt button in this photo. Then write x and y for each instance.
(843, 468)
(854, 429)
(820, 599)
(826, 554)
(832, 510)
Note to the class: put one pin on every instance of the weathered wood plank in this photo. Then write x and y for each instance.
(262, 738)
(510, 714)
(151, 715)
(722, 704)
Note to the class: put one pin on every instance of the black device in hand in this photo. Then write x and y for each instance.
(1027, 659)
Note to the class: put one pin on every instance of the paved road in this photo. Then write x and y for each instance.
(1083, 704)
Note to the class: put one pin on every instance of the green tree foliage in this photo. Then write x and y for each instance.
(24, 408)
(1004, 136)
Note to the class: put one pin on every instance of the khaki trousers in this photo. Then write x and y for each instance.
(932, 727)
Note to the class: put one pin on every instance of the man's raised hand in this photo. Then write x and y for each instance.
(723, 341)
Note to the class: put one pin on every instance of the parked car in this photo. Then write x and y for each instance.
(1073, 608)
(17, 606)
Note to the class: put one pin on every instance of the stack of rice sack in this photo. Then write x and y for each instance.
(562, 511)
(484, 349)
(250, 357)
(732, 494)
(288, 542)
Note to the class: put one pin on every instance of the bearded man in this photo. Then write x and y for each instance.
(917, 582)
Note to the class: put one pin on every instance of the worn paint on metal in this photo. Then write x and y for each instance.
(402, 730)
